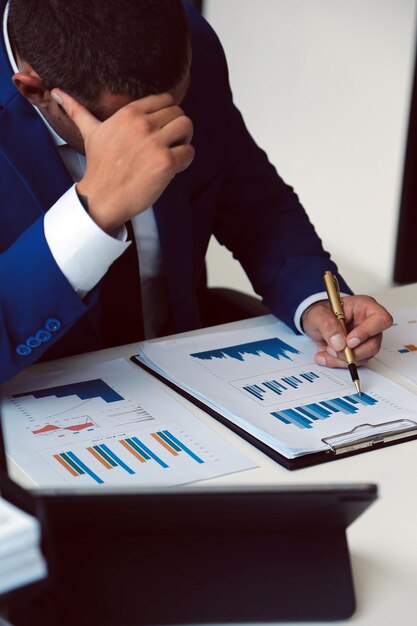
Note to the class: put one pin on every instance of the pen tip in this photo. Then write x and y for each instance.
(358, 387)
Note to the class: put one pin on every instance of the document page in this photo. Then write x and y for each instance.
(264, 379)
(109, 424)
(399, 344)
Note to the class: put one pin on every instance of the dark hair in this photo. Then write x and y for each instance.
(85, 47)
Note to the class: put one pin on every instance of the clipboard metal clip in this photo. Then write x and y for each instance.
(368, 435)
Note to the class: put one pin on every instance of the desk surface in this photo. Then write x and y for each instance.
(383, 542)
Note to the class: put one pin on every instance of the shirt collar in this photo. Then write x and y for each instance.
(58, 141)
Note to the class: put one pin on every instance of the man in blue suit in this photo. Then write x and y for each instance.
(119, 140)
(98, 160)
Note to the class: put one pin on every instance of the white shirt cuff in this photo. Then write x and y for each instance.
(82, 251)
(316, 297)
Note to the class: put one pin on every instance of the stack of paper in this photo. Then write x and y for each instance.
(21, 561)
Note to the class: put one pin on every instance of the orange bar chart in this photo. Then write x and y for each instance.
(409, 347)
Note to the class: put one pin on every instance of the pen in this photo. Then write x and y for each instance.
(333, 293)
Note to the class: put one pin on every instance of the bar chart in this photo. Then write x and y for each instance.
(281, 385)
(307, 415)
(410, 347)
(141, 451)
(129, 456)
(289, 384)
(76, 467)
(174, 445)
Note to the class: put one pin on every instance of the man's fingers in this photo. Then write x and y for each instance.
(183, 156)
(372, 326)
(366, 348)
(325, 327)
(369, 348)
(325, 359)
(165, 116)
(151, 104)
(363, 352)
(368, 318)
(179, 131)
(85, 120)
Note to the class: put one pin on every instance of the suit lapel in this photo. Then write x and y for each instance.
(23, 134)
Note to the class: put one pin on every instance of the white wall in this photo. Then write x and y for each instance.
(324, 86)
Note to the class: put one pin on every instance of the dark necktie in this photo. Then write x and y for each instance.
(120, 299)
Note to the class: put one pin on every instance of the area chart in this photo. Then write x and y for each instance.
(273, 347)
(85, 390)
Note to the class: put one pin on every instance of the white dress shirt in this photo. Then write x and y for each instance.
(84, 252)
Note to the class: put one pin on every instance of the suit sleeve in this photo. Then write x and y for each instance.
(261, 220)
(37, 303)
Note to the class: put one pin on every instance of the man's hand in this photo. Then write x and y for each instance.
(131, 157)
(365, 320)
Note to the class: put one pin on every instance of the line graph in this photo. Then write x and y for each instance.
(81, 423)
(49, 417)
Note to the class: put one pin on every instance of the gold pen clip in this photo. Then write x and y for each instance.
(340, 312)
(333, 293)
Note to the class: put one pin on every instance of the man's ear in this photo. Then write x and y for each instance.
(31, 87)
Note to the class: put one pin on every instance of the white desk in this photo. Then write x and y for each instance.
(383, 542)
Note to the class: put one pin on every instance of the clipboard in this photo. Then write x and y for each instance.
(362, 438)
(185, 556)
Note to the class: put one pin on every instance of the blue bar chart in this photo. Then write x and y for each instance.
(290, 384)
(76, 467)
(307, 415)
(112, 458)
(409, 347)
(143, 449)
(281, 385)
(174, 445)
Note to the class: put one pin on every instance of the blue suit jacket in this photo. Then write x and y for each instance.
(230, 190)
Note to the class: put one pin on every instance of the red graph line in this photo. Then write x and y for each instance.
(51, 427)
